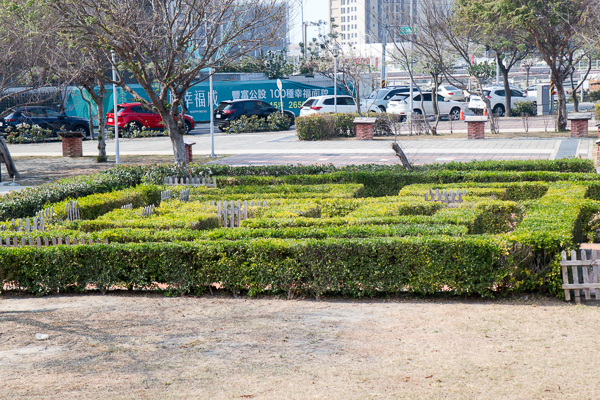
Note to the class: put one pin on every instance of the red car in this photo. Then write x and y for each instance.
(132, 116)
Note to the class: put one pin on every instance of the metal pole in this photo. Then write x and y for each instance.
(384, 43)
(497, 71)
(410, 97)
(335, 84)
(114, 76)
(210, 104)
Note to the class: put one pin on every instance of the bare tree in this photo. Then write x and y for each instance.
(164, 44)
(27, 64)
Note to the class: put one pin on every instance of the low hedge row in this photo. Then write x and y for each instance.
(279, 191)
(95, 205)
(353, 267)
(186, 235)
(27, 202)
(389, 183)
(506, 191)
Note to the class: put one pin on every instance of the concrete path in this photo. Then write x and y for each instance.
(284, 148)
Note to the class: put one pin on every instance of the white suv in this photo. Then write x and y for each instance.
(400, 104)
(497, 96)
(324, 104)
(378, 99)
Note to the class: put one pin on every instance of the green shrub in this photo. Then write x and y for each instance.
(247, 124)
(315, 127)
(594, 96)
(524, 107)
(95, 205)
(27, 202)
(597, 111)
(352, 267)
(279, 121)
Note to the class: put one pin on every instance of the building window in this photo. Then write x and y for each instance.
(343, 10)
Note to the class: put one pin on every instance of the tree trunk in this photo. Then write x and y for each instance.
(574, 94)
(561, 118)
(176, 139)
(101, 131)
(507, 95)
(527, 79)
(91, 118)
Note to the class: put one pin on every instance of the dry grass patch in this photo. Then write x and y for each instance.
(147, 346)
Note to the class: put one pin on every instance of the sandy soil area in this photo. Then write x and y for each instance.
(134, 345)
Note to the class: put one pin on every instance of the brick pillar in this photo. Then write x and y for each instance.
(364, 131)
(475, 130)
(72, 147)
(475, 126)
(579, 125)
(188, 153)
(188, 150)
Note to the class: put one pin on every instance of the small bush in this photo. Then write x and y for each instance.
(594, 96)
(279, 122)
(524, 107)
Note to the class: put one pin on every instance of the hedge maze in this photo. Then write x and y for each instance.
(480, 229)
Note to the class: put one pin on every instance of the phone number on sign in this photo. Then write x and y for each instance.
(290, 104)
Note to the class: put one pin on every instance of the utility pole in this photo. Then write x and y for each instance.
(410, 97)
(383, 41)
(115, 108)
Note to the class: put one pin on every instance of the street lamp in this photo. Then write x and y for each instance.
(336, 53)
(116, 117)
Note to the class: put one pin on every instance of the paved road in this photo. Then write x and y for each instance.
(284, 148)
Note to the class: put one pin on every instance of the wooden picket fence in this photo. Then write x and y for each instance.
(446, 197)
(585, 274)
(232, 213)
(190, 181)
(127, 207)
(165, 195)
(46, 213)
(39, 242)
(72, 209)
(184, 195)
(148, 211)
(24, 225)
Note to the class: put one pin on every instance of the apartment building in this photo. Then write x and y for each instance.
(361, 22)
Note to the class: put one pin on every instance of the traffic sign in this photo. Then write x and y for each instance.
(279, 84)
(407, 30)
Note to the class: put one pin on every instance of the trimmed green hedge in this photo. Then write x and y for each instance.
(354, 267)
(95, 205)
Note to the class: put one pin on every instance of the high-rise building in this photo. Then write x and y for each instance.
(362, 22)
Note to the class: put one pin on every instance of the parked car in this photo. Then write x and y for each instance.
(451, 92)
(400, 104)
(378, 99)
(45, 118)
(497, 96)
(132, 116)
(531, 92)
(230, 110)
(325, 104)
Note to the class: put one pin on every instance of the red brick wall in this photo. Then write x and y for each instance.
(579, 128)
(475, 130)
(364, 131)
(188, 153)
(72, 147)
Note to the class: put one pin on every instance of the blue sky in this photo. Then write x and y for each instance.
(314, 10)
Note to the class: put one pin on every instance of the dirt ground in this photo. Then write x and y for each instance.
(142, 345)
(38, 170)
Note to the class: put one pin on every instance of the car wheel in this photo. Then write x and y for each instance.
(499, 110)
(188, 127)
(417, 111)
(221, 128)
(82, 129)
(134, 126)
(454, 114)
(382, 108)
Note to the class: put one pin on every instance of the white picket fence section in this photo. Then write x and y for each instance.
(39, 242)
(165, 195)
(232, 213)
(72, 209)
(190, 181)
(584, 272)
(446, 197)
(184, 195)
(46, 213)
(148, 211)
(127, 207)
(24, 225)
